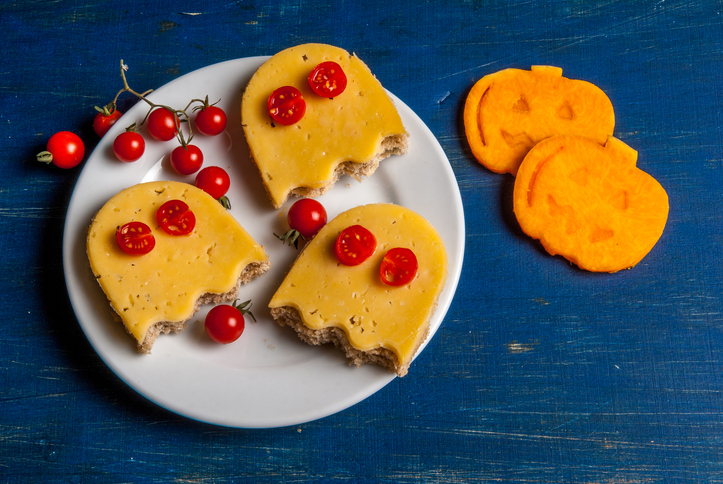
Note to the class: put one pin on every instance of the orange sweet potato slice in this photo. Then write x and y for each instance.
(510, 111)
(589, 202)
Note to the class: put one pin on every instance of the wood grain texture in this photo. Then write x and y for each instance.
(539, 373)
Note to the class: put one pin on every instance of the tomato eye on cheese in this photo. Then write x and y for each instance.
(286, 105)
(135, 238)
(175, 218)
(327, 79)
(398, 267)
(354, 245)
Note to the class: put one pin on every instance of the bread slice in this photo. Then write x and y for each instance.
(349, 134)
(251, 272)
(325, 301)
(159, 291)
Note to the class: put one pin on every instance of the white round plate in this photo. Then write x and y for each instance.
(268, 378)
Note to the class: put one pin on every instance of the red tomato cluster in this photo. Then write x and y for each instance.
(225, 323)
(287, 106)
(164, 125)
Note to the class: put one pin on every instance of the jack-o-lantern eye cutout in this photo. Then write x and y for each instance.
(508, 112)
(589, 202)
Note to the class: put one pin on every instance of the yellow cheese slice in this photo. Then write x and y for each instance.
(372, 315)
(166, 284)
(361, 125)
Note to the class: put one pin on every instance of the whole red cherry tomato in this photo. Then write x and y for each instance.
(187, 160)
(135, 238)
(327, 79)
(214, 181)
(104, 120)
(163, 124)
(225, 323)
(211, 120)
(129, 146)
(354, 245)
(64, 150)
(398, 267)
(175, 218)
(307, 216)
(286, 105)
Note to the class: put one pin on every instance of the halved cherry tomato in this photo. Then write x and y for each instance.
(175, 218)
(398, 267)
(286, 105)
(135, 238)
(354, 245)
(163, 124)
(327, 79)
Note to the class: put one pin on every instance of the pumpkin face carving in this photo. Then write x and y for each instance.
(589, 202)
(510, 111)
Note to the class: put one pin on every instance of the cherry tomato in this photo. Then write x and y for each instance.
(129, 146)
(211, 120)
(398, 267)
(286, 105)
(135, 238)
(214, 181)
(175, 218)
(163, 124)
(102, 121)
(307, 216)
(354, 245)
(64, 150)
(225, 323)
(327, 79)
(187, 160)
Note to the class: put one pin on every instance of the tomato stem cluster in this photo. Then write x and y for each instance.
(245, 308)
(180, 115)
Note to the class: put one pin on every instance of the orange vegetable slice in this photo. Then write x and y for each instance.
(510, 111)
(589, 202)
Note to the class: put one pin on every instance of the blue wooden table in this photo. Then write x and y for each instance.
(540, 372)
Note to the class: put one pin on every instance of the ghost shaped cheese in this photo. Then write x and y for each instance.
(508, 112)
(159, 291)
(589, 202)
(350, 306)
(349, 133)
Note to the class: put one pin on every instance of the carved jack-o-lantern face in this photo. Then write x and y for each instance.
(510, 111)
(589, 203)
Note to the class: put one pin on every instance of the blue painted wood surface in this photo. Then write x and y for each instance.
(539, 373)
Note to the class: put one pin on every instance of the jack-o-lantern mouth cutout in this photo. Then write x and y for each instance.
(589, 202)
(510, 111)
